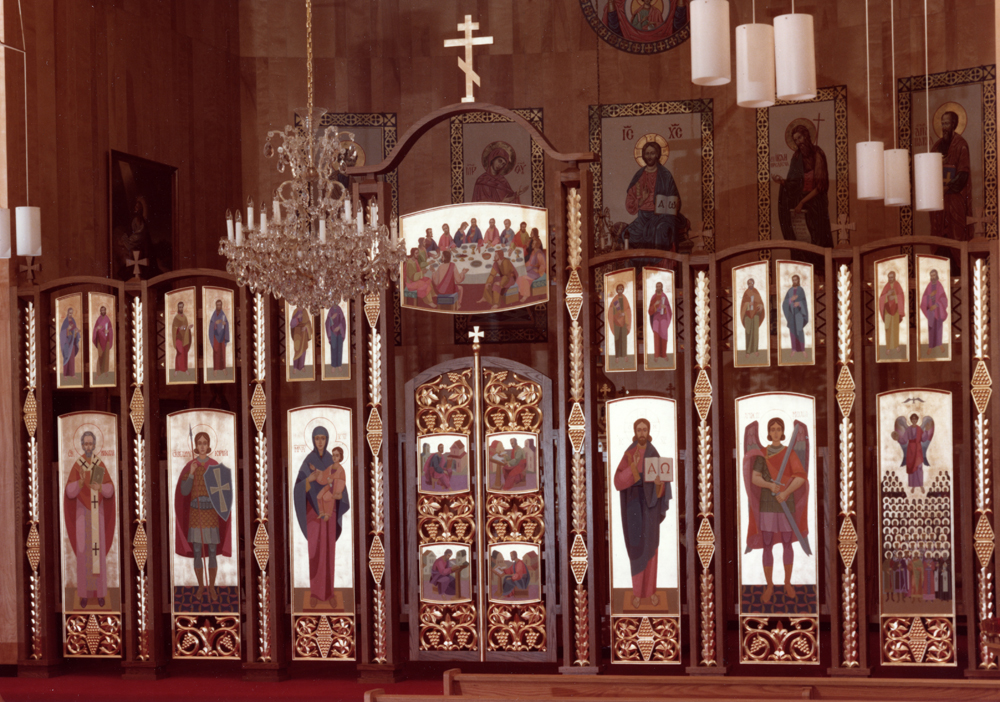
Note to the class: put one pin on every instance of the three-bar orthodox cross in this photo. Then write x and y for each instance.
(471, 77)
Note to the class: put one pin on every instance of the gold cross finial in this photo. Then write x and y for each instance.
(471, 77)
(476, 335)
(135, 262)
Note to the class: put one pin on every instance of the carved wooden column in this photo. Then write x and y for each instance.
(377, 581)
(580, 642)
(267, 629)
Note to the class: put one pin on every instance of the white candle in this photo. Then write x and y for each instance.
(392, 230)
(239, 232)
(277, 212)
(347, 210)
(250, 213)
(361, 221)
(322, 231)
(229, 225)
(263, 221)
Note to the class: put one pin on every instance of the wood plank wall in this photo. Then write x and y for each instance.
(197, 83)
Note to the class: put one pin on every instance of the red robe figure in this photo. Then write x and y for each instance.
(768, 522)
(660, 314)
(914, 440)
(321, 501)
(951, 222)
(89, 510)
(199, 528)
(644, 506)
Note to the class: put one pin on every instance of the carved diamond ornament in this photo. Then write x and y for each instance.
(706, 544)
(984, 541)
(376, 560)
(574, 305)
(261, 547)
(917, 639)
(848, 543)
(34, 547)
(30, 413)
(93, 634)
(139, 547)
(573, 285)
(258, 407)
(137, 410)
(577, 427)
(845, 391)
(645, 636)
(578, 559)
(372, 308)
(324, 636)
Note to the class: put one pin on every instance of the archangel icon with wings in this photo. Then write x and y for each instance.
(914, 438)
(776, 478)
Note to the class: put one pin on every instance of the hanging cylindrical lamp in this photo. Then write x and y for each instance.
(928, 178)
(710, 50)
(928, 168)
(29, 231)
(871, 171)
(897, 177)
(897, 161)
(870, 158)
(794, 56)
(755, 65)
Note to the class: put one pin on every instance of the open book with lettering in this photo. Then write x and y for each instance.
(659, 468)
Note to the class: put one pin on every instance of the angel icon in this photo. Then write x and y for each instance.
(776, 479)
(914, 440)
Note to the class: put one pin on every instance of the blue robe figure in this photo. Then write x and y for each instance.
(336, 331)
(796, 310)
(653, 197)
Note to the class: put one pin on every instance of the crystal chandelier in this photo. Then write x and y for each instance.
(313, 252)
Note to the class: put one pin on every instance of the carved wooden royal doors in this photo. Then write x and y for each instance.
(481, 524)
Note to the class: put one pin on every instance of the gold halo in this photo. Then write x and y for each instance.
(511, 155)
(634, 7)
(645, 139)
(98, 438)
(213, 437)
(963, 117)
(345, 143)
(792, 125)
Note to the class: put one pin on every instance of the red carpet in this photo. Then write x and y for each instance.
(105, 685)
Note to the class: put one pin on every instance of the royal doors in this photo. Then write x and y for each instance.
(481, 531)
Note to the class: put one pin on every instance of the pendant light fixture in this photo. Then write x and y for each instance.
(897, 161)
(755, 64)
(710, 42)
(928, 168)
(794, 56)
(870, 158)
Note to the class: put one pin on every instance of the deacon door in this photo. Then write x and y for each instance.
(481, 524)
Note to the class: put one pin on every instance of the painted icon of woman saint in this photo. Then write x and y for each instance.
(492, 186)
(321, 501)
(512, 462)
(69, 316)
(203, 504)
(88, 462)
(443, 463)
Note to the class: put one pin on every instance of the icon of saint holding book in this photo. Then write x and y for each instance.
(643, 478)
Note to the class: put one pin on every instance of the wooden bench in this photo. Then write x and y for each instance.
(458, 685)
